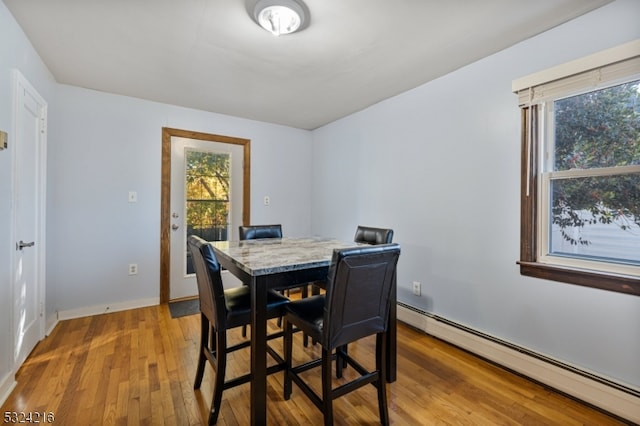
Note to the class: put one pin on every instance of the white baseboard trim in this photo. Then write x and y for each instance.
(7, 384)
(615, 398)
(104, 309)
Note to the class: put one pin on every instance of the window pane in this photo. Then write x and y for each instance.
(597, 218)
(598, 129)
(207, 196)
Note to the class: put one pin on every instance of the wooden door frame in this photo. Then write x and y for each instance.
(165, 197)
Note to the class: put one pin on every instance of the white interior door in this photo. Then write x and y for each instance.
(205, 200)
(29, 170)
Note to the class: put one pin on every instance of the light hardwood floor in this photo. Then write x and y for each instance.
(137, 367)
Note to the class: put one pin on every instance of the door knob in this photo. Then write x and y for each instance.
(174, 227)
(22, 244)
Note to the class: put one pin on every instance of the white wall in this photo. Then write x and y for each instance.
(15, 53)
(440, 168)
(102, 146)
(440, 165)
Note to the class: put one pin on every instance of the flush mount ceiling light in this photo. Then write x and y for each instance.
(280, 17)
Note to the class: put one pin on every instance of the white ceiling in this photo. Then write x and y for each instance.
(209, 54)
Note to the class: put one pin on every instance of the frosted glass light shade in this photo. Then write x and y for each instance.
(279, 17)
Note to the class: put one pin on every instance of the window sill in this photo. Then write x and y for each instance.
(617, 283)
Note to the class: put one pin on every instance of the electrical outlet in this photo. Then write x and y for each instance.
(416, 288)
(267, 200)
(133, 268)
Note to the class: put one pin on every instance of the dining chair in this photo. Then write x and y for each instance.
(254, 232)
(369, 235)
(365, 235)
(221, 310)
(372, 236)
(341, 316)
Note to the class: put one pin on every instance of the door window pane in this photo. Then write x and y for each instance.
(207, 177)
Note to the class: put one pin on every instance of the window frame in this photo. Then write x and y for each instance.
(531, 261)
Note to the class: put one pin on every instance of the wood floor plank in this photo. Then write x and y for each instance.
(137, 368)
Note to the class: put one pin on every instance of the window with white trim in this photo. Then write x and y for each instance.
(580, 211)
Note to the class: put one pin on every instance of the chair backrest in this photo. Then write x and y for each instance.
(210, 289)
(255, 232)
(369, 235)
(358, 293)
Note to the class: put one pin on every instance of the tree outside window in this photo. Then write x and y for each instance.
(207, 194)
(596, 214)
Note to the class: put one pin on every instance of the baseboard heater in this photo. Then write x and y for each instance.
(614, 398)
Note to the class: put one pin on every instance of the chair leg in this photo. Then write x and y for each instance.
(315, 290)
(284, 293)
(327, 396)
(204, 344)
(345, 349)
(288, 351)
(341, 362)
(244, 327)
(221, 368)
(304, 293)
(381, 345)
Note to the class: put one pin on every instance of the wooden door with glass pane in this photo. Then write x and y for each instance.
(207, 198)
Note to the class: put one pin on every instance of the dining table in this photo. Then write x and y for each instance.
(283, 263)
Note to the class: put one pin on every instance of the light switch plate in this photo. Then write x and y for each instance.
(3, 139)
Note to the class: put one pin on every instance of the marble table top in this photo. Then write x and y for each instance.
(274, 255)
